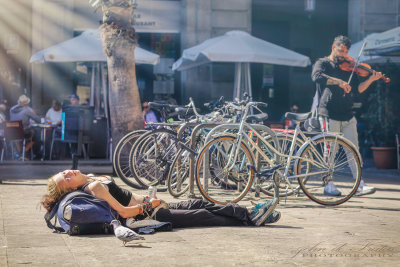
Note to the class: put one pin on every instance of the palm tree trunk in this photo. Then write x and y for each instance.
(119, 41)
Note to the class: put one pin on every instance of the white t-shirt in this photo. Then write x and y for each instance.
(54, 116)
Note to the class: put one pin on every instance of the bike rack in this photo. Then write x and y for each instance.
(258, 127)
(191, 156)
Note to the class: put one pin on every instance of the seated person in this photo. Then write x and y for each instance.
(53, 117)
(148, 114)
(74, 100)
(23, 112)
(182, 214)
(289, 123)
(54, 114)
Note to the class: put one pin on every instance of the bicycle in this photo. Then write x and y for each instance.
(152, 154)
(321, 159)
(121, 158)
(124, 146)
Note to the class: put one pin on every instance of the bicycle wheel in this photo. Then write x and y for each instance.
(178, 177)
(218, 183)
(121, 158)
(152, 155)
(285, 189)
(328, 159)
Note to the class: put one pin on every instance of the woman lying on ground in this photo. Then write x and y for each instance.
(182, 214)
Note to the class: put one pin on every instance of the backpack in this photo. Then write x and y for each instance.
(79, 213)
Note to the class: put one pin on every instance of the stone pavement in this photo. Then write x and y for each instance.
(362, 232)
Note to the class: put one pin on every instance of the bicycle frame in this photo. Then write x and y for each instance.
(244, 127)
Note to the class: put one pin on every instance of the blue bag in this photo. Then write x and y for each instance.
(79, 213)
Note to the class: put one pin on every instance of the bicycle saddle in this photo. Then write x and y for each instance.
(257, 118)
(298, 116)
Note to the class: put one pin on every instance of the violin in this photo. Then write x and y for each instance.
(361, 69)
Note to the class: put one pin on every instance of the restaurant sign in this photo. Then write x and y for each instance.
(157, 16)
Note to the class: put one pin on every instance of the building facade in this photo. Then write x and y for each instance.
(167, 27)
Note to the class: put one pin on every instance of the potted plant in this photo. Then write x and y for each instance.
(383, 118)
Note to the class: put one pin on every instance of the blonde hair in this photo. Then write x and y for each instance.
(55, 194)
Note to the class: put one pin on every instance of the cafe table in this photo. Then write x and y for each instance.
(43, 129)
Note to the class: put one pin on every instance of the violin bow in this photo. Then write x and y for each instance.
(358, 58)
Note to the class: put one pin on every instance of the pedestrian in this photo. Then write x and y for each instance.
(182, 214)
(334, 99)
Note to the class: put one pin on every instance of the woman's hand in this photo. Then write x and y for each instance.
(155, 202)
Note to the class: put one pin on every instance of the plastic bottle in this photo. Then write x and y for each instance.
(152, 192)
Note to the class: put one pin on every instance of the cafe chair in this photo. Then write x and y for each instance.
(13, 133)
(56, 137)
(76, 123)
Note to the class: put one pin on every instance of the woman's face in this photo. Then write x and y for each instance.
(69, 179)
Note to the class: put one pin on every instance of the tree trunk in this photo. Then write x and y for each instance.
(119, 42)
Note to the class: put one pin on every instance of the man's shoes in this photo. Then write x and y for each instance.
(331, 190)
(261, 212)
(363, 190)
(273, 217)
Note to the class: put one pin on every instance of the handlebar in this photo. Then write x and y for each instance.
(215, 104)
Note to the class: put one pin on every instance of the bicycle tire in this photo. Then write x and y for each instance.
(240, 179)
(328, 150)
(178, 182)
(121, 158)
(178, 176)
(151, 169)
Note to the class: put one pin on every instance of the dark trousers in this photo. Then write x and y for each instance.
(194, 213)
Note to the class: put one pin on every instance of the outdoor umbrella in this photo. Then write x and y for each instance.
(384, 44)
(355, 48)
(241, 48)
(367, 57)
(86, 47)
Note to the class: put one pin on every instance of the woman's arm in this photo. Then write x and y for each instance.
(99, 190)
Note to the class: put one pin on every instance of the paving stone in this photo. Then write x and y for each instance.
(362, 232)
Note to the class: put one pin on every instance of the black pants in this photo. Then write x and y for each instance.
(193, 213)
